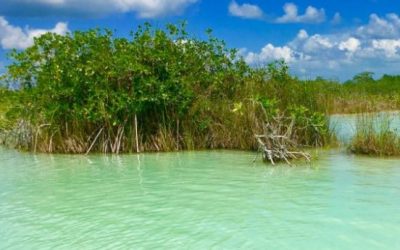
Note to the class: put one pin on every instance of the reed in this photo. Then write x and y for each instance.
(374, 136)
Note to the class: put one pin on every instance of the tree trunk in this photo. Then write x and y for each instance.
(136, 135)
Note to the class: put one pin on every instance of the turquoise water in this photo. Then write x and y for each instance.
(197, 200)
(345, 125)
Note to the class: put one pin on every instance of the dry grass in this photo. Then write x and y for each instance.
(375, 137)
(226, 126)
(363, 104)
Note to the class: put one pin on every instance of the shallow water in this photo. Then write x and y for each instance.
(345, 125)
(197, 200)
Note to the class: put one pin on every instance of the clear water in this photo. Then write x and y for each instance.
(345, 125)
(197, 200)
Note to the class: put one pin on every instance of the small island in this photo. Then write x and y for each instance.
(163, 90)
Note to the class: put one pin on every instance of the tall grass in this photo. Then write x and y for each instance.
(375, 136)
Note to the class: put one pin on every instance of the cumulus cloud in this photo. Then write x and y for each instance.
(389, 46)
(317, 42)
(143, 8)
(374, 46)
(271, 53)
(311, 15)
(351, 45)
(381, 27)
(19, 38)
(245, 10)
(302, 35)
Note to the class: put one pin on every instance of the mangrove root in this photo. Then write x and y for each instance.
(277, 143)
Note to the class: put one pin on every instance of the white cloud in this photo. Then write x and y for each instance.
(381, 27)
(143, 8)
(317, 42)
(151, 8)
(311, 15)
(271, 53)
(351, 45)
(16, 37)
(245, 10)
(388, 46)
(374, 46)
(302, 35)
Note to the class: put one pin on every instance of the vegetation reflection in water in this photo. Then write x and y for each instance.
(197, 200)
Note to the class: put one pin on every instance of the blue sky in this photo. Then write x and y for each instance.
(334, 39)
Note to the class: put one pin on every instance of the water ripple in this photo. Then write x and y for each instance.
(197, 200)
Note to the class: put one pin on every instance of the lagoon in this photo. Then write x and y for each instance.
(345, 126)
(197, 200)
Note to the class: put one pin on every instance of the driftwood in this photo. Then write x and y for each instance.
(277, 143)
(276, 148)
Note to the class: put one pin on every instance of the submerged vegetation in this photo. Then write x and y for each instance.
(163, 90)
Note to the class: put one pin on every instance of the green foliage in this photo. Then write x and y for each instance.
(314, 130)
(7, 100)
(270, 106)
(363, 78)
(159, 89)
